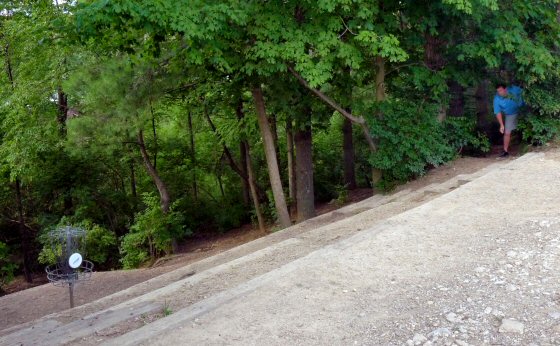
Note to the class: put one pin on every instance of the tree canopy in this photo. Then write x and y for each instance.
(146, 122)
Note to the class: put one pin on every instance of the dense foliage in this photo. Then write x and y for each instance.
(145, 122)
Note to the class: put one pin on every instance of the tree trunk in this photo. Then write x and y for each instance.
(243, 162)
(165, 200)
(377, 174)
(154, 131)
(25, 248)
(220, 184)
(433, 52)
(62, 111)
(252, 186)
(272, 162)
(193, 156)
(291, 167)
(481, 97)
(242, 173)
(348, 148)
(274, 130)
(304, 172)
(457, 100)
(132, 180)
(380, 79)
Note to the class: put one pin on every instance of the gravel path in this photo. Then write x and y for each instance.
(475, 266)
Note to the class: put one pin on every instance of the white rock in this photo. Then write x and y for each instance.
(461, 343)
(440, 332)
(428, 343)
(419, 339)
(511, 326)
(511, 287)
(452, 317)
(488, 310)
(555, 315)
(480, 269)
(410, 343)
(511, 254)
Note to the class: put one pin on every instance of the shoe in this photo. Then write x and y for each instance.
(504, 154)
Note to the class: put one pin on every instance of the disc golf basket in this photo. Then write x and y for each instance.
(68, 246)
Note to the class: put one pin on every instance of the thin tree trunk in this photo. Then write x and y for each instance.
(348, 148)
(62, 111)
(24, 235)
(133, 186)
(380, 79)
(304, 172)
(243, 159)
(291, 167)
(253, 189)
(193, 156)
(165, 199)
(272, 162)
(243, 162)
(231, 162)
(219, 177)
(155, 135)
(132, 180)
(244, 175)
(274, 130)
(377, 174)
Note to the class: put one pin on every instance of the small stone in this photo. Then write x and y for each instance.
(410, 343)
(452, 317)
(511, 287)
(345, 291)
(555, 315)
(511, 254)
(461, 343)
(428, 343)
(511, 326)
(488, 310)
(480, 269)
(418, 339)
(440, 333)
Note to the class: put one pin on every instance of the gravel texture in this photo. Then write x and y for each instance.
(474, 266)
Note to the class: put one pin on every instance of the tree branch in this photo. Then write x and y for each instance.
(358, 120)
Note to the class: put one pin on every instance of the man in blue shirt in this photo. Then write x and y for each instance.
(507, 102)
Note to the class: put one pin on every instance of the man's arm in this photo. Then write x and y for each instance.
(501, 121)
(498, 113)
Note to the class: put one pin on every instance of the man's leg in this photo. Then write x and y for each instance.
(510, 125)
(507, 139)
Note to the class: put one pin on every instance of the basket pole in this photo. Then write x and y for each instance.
(71, 289)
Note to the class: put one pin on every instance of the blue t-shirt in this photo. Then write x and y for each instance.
(510, 104)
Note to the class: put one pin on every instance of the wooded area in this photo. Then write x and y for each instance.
(147, 121)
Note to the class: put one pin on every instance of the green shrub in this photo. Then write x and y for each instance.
(460, 133)
(539, 130)
(152, 233)
(409, 138)
(7, 267)
(100, 244)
